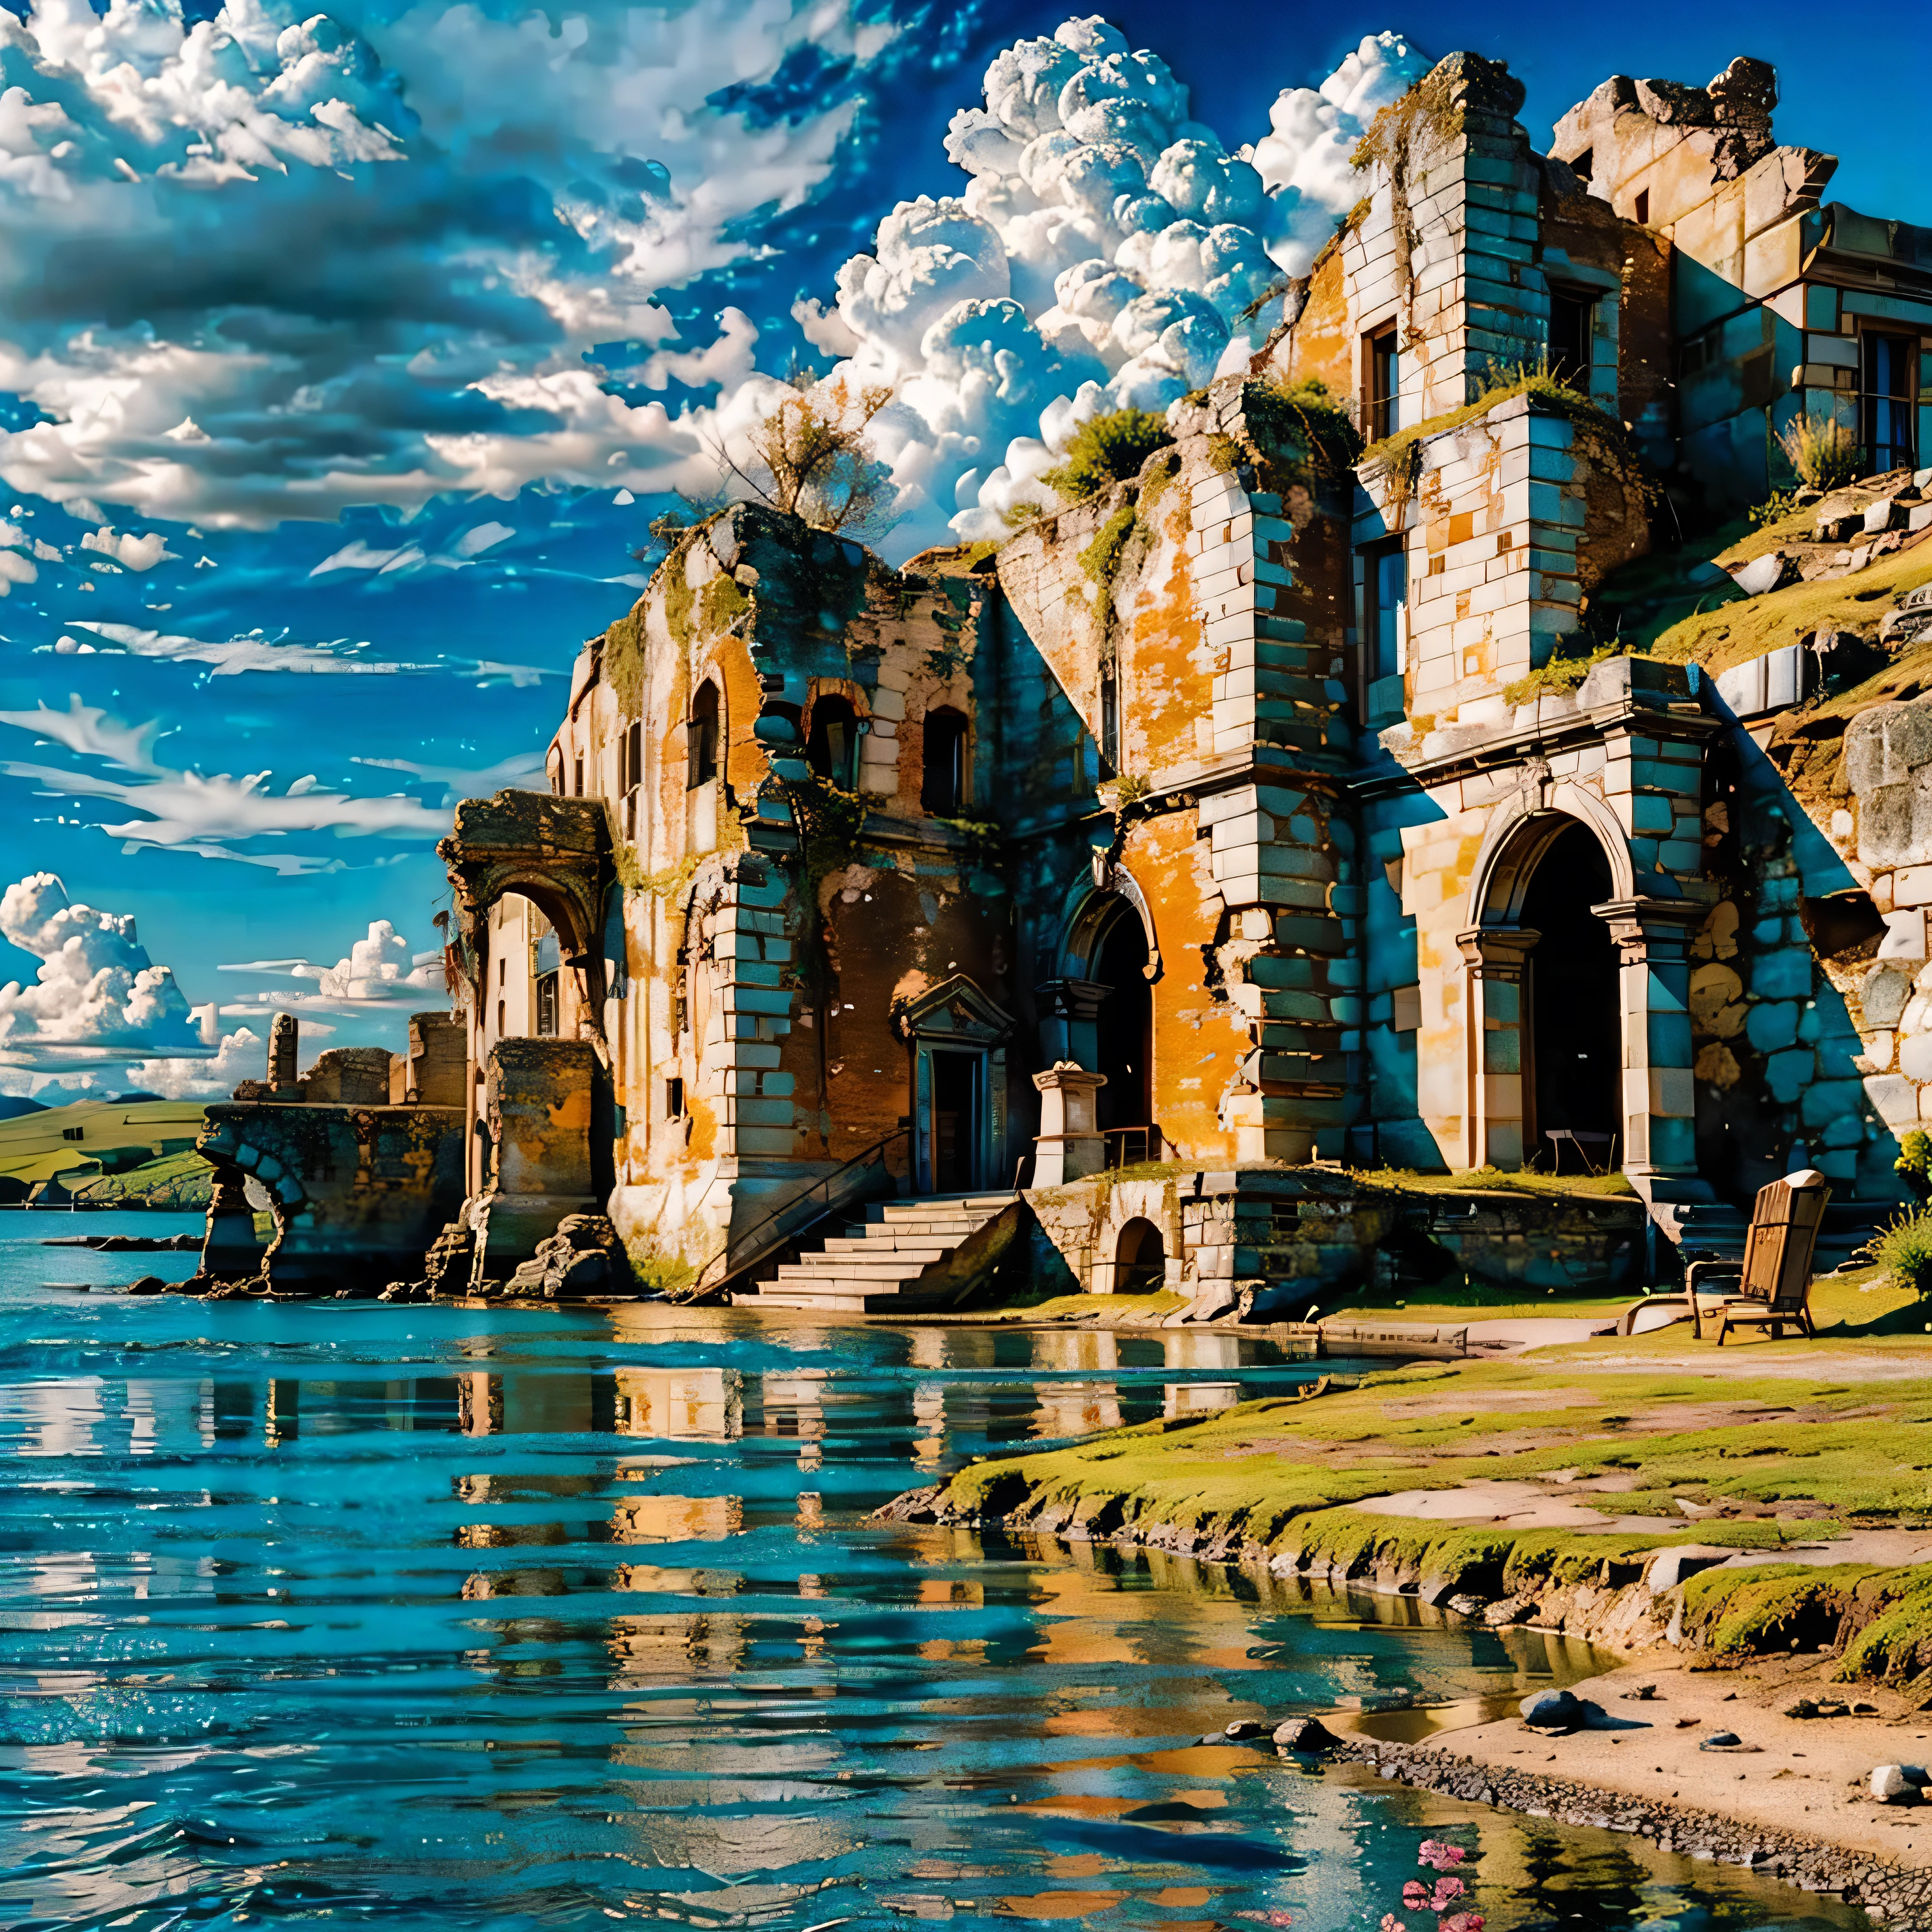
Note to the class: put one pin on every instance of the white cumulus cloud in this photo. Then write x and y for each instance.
(258, 264)
(379, 969)
(241, 1056)
(96, 996)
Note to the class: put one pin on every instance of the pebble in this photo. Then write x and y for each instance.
(1896, 1896)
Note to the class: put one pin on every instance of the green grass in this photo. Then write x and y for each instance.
(178, 1182)
(1463, 1180)
(1857, 1450)
(31, 1148)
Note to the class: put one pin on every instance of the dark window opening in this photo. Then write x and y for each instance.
(1110, 720)
(674, 1099)
(1890, 368)
(1570, 316)
(546, 1006)
(1381, 384)
(579, 792)
(700, 734)
(502, 1022)
(1384, 612)
(73, 1133)
(833, 749)
(1581, 166)
(943, 790)
(1642, 207)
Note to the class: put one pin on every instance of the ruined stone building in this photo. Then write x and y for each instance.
(1231, 819)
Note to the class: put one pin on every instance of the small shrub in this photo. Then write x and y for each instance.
(1106, 450)
(1823, 451)
(1904, 1249)
(1102, 557)
(1773, 509)
(1915, 1159)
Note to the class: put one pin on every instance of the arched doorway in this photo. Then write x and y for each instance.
(1558, 927)
(1125, 1025)
(1140, 1259)
(1572, 1018)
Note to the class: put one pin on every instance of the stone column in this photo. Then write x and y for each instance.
(1070, 1145)
(282, 1044)
(1659, 1094)
(230, 1251)
(1493, 1114)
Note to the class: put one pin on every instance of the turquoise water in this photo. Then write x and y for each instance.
(449, 1618)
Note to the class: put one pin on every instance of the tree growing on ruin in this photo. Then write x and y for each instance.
(812, 457)
(1106, 450)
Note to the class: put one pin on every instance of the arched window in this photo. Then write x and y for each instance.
(946, 788)
(833, 749)
(700, 734)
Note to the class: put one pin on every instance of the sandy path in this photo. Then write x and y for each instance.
(1808, 1775)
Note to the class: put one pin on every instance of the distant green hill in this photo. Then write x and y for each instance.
(113, 1150)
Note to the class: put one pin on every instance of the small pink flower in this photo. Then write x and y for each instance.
(1390, 1923)
(1415, 1895)
(1462, 1921)
(1442, 1856)
(1447, 1890)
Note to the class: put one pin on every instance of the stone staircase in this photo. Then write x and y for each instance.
(905, 1258)
(1696, 1222)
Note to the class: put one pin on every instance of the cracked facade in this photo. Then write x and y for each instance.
(1242, 785)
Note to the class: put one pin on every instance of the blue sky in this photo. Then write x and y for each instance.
(343, 357)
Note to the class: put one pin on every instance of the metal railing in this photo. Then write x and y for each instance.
(738, 1242)
(1128, 1146)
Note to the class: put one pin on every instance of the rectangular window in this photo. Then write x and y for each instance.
(674, 1099)
(1889, 369)
(1642, 207)
(1381, 384)
(1572, 315)
(1110, 720)
(546, 1006)
(72, 1133)
(631, 774)
(1384, 611)
(580, 779)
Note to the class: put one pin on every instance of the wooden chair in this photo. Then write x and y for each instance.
(1773, 1282)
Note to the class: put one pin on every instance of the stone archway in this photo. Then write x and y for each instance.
(1654, 1116)
(1108, 963)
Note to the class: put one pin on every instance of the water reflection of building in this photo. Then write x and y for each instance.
(794, 1405)
(688, 1405)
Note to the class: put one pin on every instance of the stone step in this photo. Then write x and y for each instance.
(921, 1245)
(911, 1260)
(796, 1277)
(984, 1206)
(858, 1267)
(820, 1304)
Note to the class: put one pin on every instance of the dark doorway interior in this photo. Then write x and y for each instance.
(1126, 1022)
(1140, 1259)
(956, 1122)
(1574, 1016)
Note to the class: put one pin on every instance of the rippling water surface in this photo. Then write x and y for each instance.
(450, 1617)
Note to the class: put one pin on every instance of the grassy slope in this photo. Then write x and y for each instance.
(32, 1148)
(1781, 1458)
